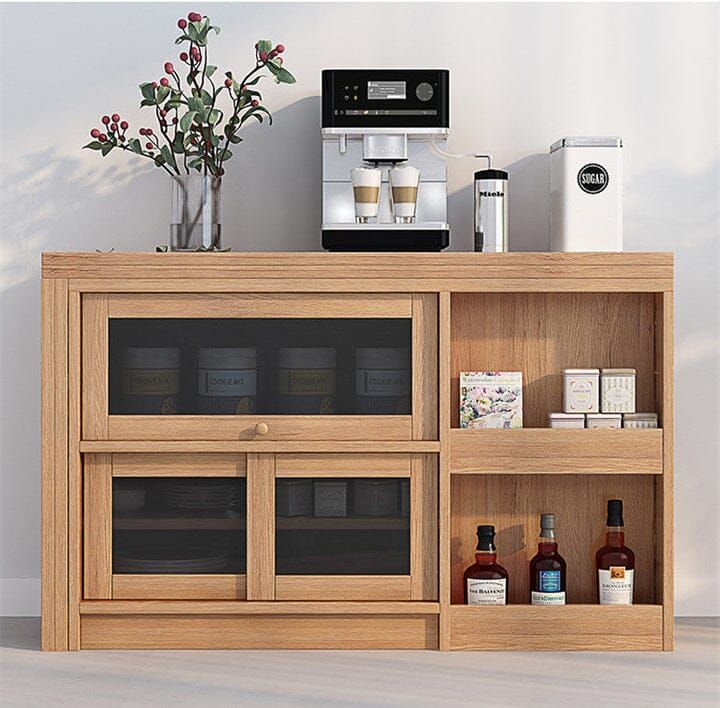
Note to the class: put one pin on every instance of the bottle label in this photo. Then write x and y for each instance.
(486, 592)
(150, 382)
(616, 585)
(382, 382)
(227, 382)
(307, 382)
(547, 598)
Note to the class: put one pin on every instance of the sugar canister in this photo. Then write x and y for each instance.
(617, 390)
(581, 390)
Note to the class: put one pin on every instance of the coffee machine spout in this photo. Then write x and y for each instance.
(385, 148)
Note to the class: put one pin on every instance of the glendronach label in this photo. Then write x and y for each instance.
(593, 178)
(486, 592)
(150, 382)
(307, 382)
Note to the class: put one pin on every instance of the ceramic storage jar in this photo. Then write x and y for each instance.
(581, 390)
(617, 393)
(150, 380)
(227, 381)
(382, 381)
(306, 380)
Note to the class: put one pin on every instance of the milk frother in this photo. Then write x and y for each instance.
(491, 210)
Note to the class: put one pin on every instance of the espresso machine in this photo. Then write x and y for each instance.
(384, 177)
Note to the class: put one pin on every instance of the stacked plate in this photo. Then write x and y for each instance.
(202, 494)
(170, 560)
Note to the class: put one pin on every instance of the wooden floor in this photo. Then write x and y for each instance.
(687, 677)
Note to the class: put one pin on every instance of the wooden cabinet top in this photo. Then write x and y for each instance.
(364, 272)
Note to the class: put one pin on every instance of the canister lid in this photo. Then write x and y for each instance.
(306, 358)
(604, 416)
(566, 416)
(581, 372)
(220, 358)
(151, 357)
(618, 372)
(491, 173)
(641, 416)
(387, 358)
(586, 141)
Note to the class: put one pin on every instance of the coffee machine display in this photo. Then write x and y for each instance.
(383, 169)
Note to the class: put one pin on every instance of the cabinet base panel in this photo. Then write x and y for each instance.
(258, 632)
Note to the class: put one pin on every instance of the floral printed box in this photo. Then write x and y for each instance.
(491, 399)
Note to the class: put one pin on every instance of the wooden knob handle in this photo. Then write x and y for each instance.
(262, 428)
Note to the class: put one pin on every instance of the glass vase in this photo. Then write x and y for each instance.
(195, 212)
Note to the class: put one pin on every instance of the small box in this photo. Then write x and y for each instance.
(581, 390)
(617, 390)
(604, 420)
(376, 497)
(294, 497)
(330, 498)
(491, 399)
(640, 420)
(567, 420)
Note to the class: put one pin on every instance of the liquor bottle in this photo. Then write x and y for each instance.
(615, 561)
(485, 582)
(548, 569)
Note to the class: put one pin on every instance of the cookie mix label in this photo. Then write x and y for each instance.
(486, 592)
(150, 382)
(616, 585)
(382, 382)
(227, 382)
(307, 382)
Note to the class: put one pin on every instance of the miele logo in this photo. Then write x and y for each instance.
(387, 150)
(593, 178)
(492, 194)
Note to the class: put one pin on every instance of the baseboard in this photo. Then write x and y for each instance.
(19, 597)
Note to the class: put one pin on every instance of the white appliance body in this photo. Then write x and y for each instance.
(586, 195)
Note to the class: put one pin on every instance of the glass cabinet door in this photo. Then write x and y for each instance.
(151, 535)
(244, 367)
(355, 527)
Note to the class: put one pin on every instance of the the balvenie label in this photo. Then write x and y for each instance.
(307, 382)
(382, 382)
(227, 382)
(616, 585)
(486, 592)
(150, 382)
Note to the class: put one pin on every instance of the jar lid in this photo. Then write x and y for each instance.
(566, 416)
(604, 416)
(219, 358)
(367, 358)
(618, 372)
(641, 416)
(581, 372)
(306, 358)
(151, 357)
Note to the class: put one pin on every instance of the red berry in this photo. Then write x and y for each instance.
(122, 138)
(163, 112)
(279, 60)
(169, 68)
(194, 17)
(254, 103)
(155, 85)
(263, 56)
(113, 127)
(106, 119)
(183, 56)
(149, 146)
(148, 131)
(115, 117)
(175, 120)
(124, 125)
(280, 48)
(102, 137)
(164, 82)
(243, 87)
(94, 133)
(142, 131)
(182, 23)
(228, 82)
(163, 123)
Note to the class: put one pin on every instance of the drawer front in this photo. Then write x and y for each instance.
(259, 367)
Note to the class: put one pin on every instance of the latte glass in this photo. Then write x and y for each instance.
(366, 189)
(404, 183)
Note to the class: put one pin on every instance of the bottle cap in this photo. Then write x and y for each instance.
(486, 531)
(486, 538)
(547, 521)
(491, 173)
(615, 512)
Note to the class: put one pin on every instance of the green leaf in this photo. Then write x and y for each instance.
(214, 116)
(186, 121)
(217, 30)
(254, 81)
(196, 104)
(282, 75)
(146, 102)
(178, 145)
(206, 97)
(148, 91)
(106, 147)
(266, 112)
(94, 145)
(192, 29)
(166, 154)
(227, 155)
(135, 146)
(162, 93)
(235, 139)
(264, 45)
(210, 70)
(182, 38)
(229, 74)
(160, 160)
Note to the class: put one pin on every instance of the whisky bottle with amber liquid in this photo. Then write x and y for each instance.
(548, 569)
(485, 581)
(615, 561)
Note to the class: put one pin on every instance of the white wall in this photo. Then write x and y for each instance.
(521, 76)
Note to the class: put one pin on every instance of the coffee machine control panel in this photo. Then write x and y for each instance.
(385, 98)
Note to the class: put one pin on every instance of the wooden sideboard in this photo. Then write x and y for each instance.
(344, 526)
